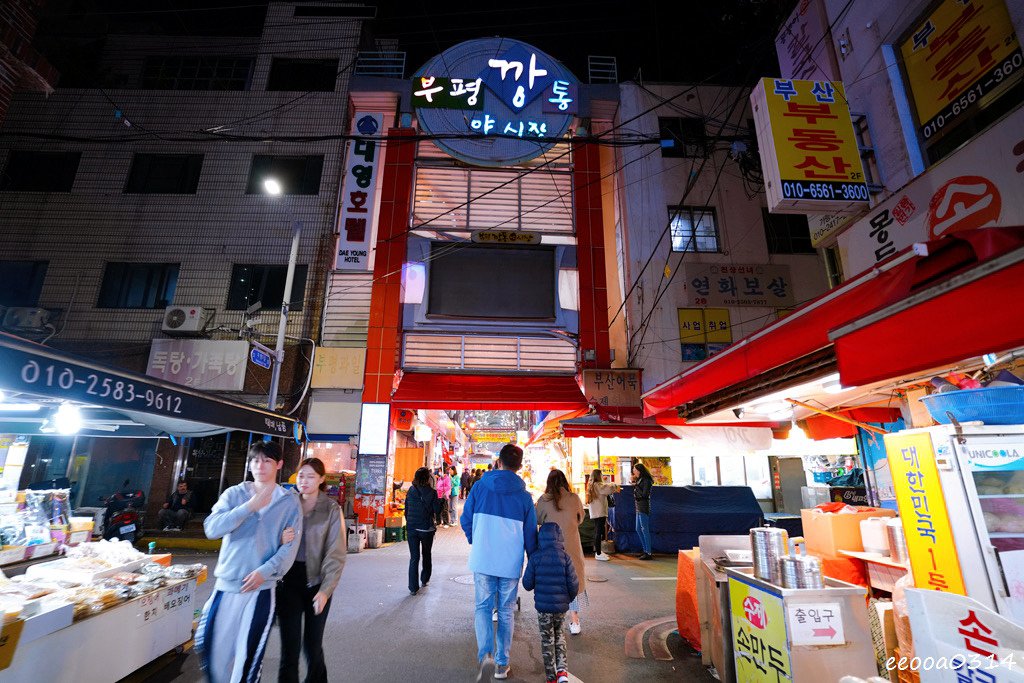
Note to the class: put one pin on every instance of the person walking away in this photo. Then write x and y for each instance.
(500, 524)
(598, 492)
(250, 518)
(453, 496)
(177, 510)
(304, 595)
(421, 508)
(551, 574)
(560, 505)
(643, 483)
(444, 488)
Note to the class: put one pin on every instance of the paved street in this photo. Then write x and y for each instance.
(378, 632)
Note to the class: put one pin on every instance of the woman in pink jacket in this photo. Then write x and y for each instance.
(444, 489)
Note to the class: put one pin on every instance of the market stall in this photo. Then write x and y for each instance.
(96, 615)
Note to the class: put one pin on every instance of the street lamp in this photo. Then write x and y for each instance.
(274, 188)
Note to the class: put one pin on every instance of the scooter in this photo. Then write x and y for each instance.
(124, 514)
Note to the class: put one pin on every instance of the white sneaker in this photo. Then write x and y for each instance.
(602, 557)
(575, 628)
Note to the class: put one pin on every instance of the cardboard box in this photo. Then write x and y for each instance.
(826, 534)
(394, 522)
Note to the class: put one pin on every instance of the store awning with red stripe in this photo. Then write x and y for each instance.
(488, 392)
(924, 277)
(593, 426)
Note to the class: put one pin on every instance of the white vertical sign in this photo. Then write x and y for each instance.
(358, 194)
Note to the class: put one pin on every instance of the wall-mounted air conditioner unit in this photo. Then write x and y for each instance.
(186, 321)
(29, 319)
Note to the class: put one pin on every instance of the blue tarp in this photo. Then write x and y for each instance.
(682, 514)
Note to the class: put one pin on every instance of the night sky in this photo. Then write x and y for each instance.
(723, 41)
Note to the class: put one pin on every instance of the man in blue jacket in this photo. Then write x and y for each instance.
(500, 524)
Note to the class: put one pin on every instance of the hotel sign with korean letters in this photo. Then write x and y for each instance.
(808, 147)
(731, 284)
(359, 194)
(494, 101)
(958, 59)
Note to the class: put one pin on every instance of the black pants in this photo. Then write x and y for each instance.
(416, 540)
(442, 515)
(295, 602)
(600, 530)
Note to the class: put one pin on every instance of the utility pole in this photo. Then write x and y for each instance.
(275, 372)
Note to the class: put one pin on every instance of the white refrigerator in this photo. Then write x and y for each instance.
(981, 469)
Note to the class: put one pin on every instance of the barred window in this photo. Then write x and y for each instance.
(694, 229)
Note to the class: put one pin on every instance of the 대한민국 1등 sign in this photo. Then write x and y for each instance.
(359, 194)
(808, 147)
(494, 101)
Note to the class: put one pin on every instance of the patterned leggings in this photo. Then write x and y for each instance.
(552, 643)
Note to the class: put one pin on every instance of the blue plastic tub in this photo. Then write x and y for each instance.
(991, 405)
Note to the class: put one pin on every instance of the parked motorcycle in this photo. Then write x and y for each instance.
(124, 515)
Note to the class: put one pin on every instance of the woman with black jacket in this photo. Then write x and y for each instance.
(421, 507)
(643, 482)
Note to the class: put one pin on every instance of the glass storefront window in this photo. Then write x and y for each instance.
(705, 470)
(759, 476)
(732, 471)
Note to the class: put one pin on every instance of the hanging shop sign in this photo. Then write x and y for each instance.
(758, 634)
(808, 147)
(975, 187)
(338, 368)
(505, 237)
(205, 364)
(933, 557)
(823, 225)
(959, 59)
(800, 46)
(713, 284)
(703, 332)
(501, 436)
(494, 101)
(616, 388)
(359, 194)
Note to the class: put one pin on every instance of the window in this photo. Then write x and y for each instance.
(682, 137)
(21, 282)
(138, 285)
(301, 75)
(40, 171)
(251, 283)
(297, 175)
(195, 73)
(694, 229)
(866, 147)
(786, 233)
(759, 477)
(705, 470)
(352, 12)
(164, 174)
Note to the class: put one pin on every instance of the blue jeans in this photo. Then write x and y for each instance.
(491, 592)
(643, 529)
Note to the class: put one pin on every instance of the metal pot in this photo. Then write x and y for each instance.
(897, 541)
(769, 544)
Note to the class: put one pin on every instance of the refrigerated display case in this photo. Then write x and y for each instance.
(981, 471)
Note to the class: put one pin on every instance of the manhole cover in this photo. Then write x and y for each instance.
(465, 579)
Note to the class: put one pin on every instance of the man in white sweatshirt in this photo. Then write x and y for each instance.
(251, 518)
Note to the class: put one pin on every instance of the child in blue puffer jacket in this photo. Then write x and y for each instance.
(551, 576)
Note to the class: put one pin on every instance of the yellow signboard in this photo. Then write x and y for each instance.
(608, 466)
(758, 634)
(922, 505)
(338, 368)
(703, 332)
(956, 56)
(504, 436)
(10, 634)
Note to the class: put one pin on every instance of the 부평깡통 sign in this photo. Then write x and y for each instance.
(808, 147)
(359, 194)
(922, 506)
(956, 58)
(734, 284)
(494, 101)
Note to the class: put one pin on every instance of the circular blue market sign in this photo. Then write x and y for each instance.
(494, 101)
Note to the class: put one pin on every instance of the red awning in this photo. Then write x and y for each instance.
(973, 314)
(807, 329)
(488, 392)
(593, 426)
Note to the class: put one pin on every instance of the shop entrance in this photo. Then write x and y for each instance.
(213, 463)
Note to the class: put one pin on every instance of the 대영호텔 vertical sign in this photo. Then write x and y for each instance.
(955, 58)
(494, 101)
(359, 194)
(933, 558)
(808, 147)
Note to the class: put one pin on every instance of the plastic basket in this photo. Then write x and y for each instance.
(991, 405)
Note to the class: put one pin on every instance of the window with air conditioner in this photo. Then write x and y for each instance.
(251, 283)
(21, 282)
(138, 285)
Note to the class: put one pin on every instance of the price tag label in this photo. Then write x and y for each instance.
(177, 597)
(151, 606)
(12, 555)
(41, 550)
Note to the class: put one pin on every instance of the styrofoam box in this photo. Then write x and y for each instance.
(54, 616)
(65, 570)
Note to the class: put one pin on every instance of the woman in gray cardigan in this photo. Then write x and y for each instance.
(305, 592)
